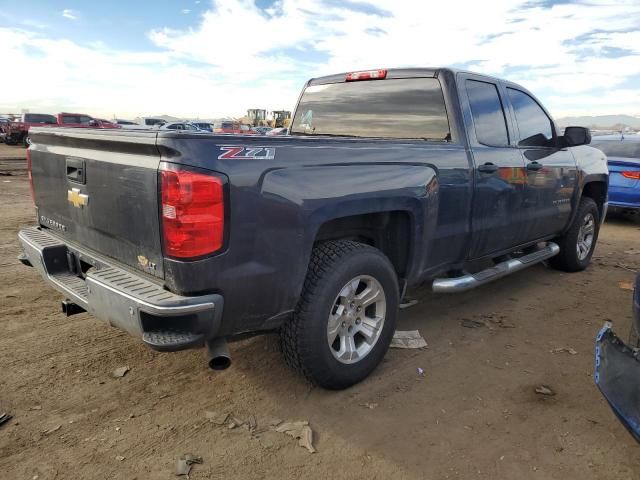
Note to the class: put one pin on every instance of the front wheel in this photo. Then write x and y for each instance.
(346, 316)
(579, 242)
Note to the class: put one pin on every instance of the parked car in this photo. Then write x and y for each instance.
(130, 125)
(206, 126)
(387, 179)
(261, 130)
(101, 123)
(4, 125)
(278, 131)
(179, 126)
(617, 372)
(228, 127)
(151, 122)
(623, 153)
(16, 132)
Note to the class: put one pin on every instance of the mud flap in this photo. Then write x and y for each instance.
(618, 378)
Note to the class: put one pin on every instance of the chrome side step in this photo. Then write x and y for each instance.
(502, 269)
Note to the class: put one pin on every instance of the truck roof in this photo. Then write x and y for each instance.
(405, 73)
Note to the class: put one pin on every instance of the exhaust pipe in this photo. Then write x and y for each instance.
(218, 354)
(69, 308)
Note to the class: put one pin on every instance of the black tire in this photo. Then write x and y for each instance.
(303, 339)
(568, 259)
(25, 141)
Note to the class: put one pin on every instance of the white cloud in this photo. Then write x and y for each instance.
(185, 11)
(578, 58)
(70, 14)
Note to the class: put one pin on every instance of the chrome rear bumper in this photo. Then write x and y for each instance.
(125, 299)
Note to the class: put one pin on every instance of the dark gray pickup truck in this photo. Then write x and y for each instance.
(388, 178)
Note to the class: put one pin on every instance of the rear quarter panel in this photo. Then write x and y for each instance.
(276, 207)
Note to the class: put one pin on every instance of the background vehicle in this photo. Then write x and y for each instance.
(228, 127)
(101, 123)
(4, 125)
(387, 178)
(281, 118)
(623, 153)
(17, 130)
(205, 126)
(147, 123)
(256, 117)
(131, 125)
(76, 120)
(618, 369)
(179, 126)
(262, 130)
(277, 131)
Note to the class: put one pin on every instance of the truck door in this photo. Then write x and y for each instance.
(550, 171)
(497, 222)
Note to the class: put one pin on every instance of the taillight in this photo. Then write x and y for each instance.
(30, 175)
(632, 175)
(366, 75)
(192, 211)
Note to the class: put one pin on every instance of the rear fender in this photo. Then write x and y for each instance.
(312, 196)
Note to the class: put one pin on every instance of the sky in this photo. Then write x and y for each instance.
(215, 58)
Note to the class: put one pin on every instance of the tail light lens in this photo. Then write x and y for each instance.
(30, 175)
(192, 212)
(632, 175)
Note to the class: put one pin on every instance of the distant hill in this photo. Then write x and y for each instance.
(603, 122)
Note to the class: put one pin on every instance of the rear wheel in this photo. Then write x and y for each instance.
(578, 243)
(346, 315)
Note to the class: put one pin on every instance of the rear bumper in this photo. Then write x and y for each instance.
(624, 197)
(125, 299)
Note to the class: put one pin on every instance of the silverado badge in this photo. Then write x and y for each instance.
(76, 198)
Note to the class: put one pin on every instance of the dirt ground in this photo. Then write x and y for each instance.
(474, 413)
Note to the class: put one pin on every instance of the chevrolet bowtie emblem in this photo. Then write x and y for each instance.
(78, 199)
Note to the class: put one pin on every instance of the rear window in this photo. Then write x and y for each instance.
(76, 119)
(410, 108)
(153, 121)
(39, 118)
(619, 148)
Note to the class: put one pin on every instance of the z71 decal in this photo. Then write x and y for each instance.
(247, 153)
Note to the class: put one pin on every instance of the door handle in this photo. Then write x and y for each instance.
(488, 168)
(535, 166)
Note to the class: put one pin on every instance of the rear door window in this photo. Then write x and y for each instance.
(487, 112)
(76, 119)
(533, 123)
(411, 108)
(39, 118)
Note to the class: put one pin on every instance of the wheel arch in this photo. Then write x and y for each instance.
(391, 232)
(596, 187)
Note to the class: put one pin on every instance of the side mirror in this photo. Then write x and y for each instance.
(93, 123)
(575, 136)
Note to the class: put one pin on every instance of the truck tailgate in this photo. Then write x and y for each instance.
(99, 190)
